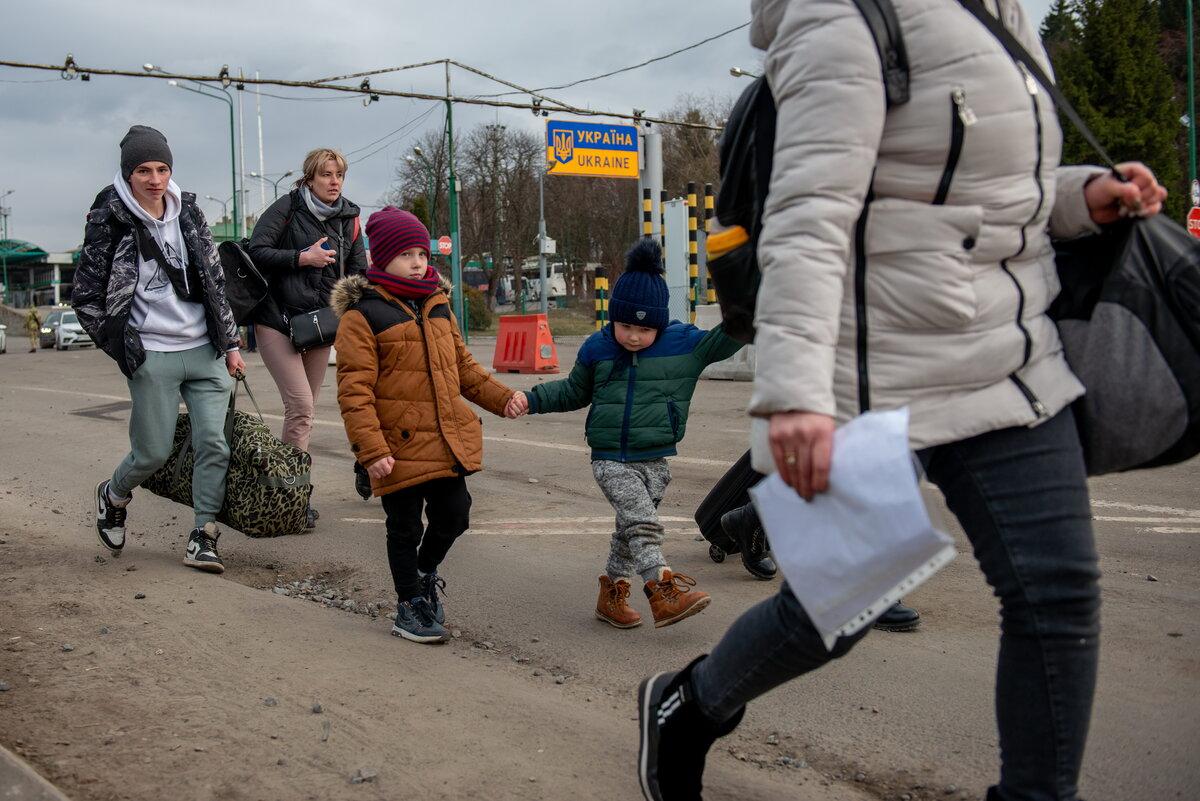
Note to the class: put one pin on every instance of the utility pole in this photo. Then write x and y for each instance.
(543, 301)
(455, 258)
(1191, 81)
(652, 177)
(262, 170)
(242, 148)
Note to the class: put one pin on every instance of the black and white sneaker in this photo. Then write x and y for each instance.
(415, 621)
(675, 736)
(202, 549)
(430, 584)
(110, 520)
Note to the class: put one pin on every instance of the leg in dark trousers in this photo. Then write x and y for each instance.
(412, 546)
(1021, 497)
(448, 507)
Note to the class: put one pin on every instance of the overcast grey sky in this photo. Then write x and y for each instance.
(60, 137)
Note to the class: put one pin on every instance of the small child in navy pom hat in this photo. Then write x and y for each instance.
(638, 374)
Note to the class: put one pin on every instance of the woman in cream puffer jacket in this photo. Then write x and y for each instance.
(934, 298)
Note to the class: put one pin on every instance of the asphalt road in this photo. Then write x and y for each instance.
(901, 705)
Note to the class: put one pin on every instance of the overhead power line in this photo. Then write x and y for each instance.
(633, 66)
(71, 70)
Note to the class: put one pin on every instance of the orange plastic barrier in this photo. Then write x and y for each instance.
(524, 345)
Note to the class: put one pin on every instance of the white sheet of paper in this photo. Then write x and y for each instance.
(853, 551)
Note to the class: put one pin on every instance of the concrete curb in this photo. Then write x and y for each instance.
(18, 780)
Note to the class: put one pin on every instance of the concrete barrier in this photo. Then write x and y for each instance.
(739, 366)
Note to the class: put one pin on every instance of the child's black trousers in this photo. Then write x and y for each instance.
(412, 546)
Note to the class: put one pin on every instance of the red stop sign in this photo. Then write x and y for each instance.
(445, 246)
(1193, 222)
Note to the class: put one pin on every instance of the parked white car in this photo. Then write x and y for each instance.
(70, 334)
(3, 339)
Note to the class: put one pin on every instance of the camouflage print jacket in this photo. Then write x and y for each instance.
(108, 272)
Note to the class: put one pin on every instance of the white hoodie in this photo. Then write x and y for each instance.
(165, 321)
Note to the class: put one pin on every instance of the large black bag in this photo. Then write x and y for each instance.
(747, 152)
(731, 492)
(245, 285)
(1129, 318)
(268, 486)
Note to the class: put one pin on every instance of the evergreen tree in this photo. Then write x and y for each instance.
(1115, 75)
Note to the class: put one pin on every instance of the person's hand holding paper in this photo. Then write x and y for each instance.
(851, 551)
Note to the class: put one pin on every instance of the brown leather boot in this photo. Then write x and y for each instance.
(611, 606)
(672, 598)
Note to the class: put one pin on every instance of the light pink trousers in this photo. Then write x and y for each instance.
(298, 377)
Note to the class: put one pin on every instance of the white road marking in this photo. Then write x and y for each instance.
(1135, 507)
(69, 392)
(1162, 520)
(1173, 530)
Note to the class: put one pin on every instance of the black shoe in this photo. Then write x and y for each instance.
(430, 584)
(362, 482)
(743, 526)
(202, 549)
(311, 516)
(414, 621)
(110, 520)
(675, 736)
(898, 618)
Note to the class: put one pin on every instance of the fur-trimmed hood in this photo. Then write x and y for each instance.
(350, 290)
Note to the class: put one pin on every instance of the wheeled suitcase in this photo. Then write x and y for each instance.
(267, 488)
(731, 492)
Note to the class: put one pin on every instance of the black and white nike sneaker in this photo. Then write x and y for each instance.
(110, 520)
(202, 549)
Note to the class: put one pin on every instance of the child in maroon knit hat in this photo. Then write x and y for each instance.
(404, 376)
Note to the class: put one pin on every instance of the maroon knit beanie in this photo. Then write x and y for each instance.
(391, 231)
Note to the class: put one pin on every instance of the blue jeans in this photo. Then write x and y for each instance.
(1021, 497)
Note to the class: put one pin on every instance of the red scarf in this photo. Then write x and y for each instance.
(406, 288)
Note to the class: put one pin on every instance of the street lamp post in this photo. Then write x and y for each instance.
(738, 72)
(237, 228)
(274, 184)
(224, 205)
(4, 246)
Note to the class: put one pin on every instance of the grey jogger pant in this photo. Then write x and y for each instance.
(634, 489)
(204, 383)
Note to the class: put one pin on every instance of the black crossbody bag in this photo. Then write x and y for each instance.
(318, 328)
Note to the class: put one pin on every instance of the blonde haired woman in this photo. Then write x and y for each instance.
(304, 243)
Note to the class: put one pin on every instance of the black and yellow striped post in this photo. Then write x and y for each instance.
(647, 212)
(709, 213)
(693, 253)
(601, 287)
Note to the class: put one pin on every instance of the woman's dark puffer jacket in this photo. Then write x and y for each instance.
(286, 228)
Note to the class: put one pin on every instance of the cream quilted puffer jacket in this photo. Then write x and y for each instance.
(936, 299)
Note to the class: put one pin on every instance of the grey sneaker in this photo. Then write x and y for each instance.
(430, 584)
(110, 520)
(202, 549)
(415, 621)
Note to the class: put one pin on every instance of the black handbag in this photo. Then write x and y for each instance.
(245, 285)
(317, 328)
(1129, 319)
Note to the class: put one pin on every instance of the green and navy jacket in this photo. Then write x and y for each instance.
(639, 400)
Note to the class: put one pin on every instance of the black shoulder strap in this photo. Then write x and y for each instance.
(881, 19)
(1034, 70)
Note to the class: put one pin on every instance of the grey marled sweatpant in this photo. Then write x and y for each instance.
(634, 489)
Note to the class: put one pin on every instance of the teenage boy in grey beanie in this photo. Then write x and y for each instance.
(638, 375)
(150, 291)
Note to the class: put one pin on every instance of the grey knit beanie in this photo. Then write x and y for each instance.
(143, 144)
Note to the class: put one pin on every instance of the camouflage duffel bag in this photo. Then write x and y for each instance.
(267, 488)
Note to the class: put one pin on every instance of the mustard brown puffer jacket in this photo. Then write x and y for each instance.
(403, 372)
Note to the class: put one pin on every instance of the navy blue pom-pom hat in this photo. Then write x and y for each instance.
(640, 295)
